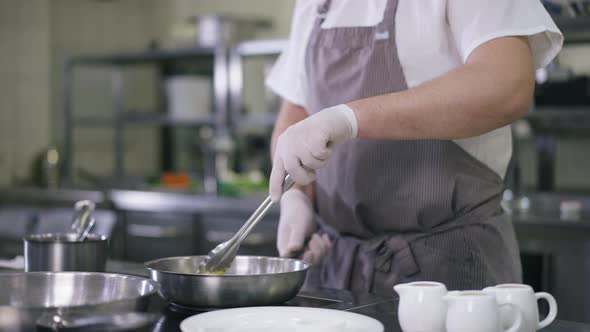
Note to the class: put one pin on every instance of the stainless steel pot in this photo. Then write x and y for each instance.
(72, 299)
(250, 281)
(63, 252)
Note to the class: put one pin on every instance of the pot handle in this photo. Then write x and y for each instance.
(56, 321)
(82, 219)
(552, 308)
(518, 322)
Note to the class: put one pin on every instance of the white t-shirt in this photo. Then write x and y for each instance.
(433, 37)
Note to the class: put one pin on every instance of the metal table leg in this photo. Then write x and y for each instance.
(67, 157)
(117, 92)
(546, 150)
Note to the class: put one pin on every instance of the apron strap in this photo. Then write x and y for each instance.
(323, 10)
(388, 22)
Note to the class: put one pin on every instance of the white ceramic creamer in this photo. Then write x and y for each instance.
(472, 311)
(525, 298)
(421, 306)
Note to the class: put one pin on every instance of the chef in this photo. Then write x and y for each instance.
(395, 128)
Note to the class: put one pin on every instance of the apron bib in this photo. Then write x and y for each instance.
(399, 211)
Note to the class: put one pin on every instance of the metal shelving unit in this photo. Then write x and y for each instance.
(564, 120)
(122, 118)
(254, 48)
(239, 120)
(149, 56)
(227, 115)
(142, 118)
(575, 29)
(552, 122)
(548, 122)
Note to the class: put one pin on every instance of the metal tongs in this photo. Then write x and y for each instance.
(83, 219)
(220, 258)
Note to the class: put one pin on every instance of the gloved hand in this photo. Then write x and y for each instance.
(295, 223)
(317, 247)
(307, 145)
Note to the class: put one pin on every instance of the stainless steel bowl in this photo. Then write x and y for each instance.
(32, 299)
(62, 252)
(250, 281)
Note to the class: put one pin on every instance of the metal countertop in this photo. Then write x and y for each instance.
(544, 209)
(132, 200)
(384, 309)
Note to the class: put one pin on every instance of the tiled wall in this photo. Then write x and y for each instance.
(24, 85)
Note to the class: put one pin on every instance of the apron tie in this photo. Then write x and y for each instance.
(387, 257)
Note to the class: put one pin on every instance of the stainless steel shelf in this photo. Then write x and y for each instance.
(567, 119)
(147, 56)
(256, 120)
(93, 121)
(227, 93)
(146, 201)
(548, 123)
(59, 197)
(142, 119)
(240, 51)
(558, 111)
(260, 47)
(122, 118)
(161, 119)
(575, 29)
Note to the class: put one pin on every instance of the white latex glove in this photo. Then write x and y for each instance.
(316, 249)
(307, 145)
(295, 223)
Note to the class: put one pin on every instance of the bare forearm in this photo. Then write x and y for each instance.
(493, 89)
(289, 114)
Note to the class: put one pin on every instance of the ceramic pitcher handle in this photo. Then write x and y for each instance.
(518, 322)
(552, 308)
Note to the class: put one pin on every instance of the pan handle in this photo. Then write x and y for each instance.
(55, 321)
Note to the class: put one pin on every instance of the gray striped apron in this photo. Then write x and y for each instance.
(399, 211)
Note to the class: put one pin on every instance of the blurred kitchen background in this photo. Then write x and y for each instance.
(157, 111)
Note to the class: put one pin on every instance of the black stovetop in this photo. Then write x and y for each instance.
(382, 309)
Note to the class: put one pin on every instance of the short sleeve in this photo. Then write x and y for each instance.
(287, 77)
(474, 22)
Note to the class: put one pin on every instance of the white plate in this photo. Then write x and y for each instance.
(284, 319)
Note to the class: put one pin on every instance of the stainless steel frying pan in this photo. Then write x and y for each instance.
(72, 300)
(250, 281)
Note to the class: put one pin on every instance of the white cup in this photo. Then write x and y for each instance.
(479, 311)
(526, 300)
(421, 306)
